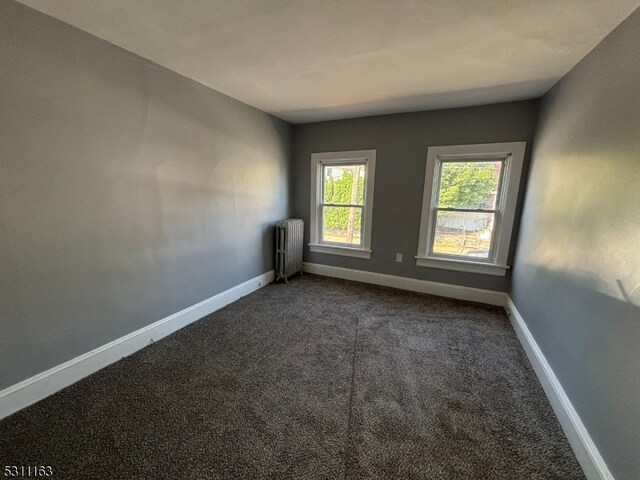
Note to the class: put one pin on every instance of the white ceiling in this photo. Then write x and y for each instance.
(310, 60)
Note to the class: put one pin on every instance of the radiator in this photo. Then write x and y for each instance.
(289, 235)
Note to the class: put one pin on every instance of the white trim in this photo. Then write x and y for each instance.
(412, 284)
(584, 448)
(368, 157)
(462, 265)
(513, 155)
(42, 385)
(339, 250)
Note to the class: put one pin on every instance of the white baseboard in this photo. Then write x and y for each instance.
(42, 385)
(586, 452)
(489, 297)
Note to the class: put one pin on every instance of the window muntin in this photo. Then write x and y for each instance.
(341, 202)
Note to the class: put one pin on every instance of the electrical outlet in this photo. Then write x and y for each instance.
(399, 257)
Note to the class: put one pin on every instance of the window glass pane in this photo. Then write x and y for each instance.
(343, 184)
(342, 225)
(469, 184)
(466, 234)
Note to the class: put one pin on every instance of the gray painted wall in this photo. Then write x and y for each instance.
(576, 279)
(401, 142)
(127, 192)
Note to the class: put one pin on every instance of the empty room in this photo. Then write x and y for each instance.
(320, 239)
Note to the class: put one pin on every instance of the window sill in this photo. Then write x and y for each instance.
(462, 266)
(340, 250)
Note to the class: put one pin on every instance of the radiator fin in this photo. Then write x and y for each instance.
(289, 238)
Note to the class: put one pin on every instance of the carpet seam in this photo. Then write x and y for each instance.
(351, 395)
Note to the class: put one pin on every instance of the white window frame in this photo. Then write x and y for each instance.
(512, 154)
(318, 160)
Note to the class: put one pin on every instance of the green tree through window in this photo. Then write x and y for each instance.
(468, 184)
(340, 191)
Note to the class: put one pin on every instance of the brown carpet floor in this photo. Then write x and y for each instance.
(316, 379)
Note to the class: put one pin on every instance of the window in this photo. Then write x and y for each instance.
(341, 202)
(468, 206)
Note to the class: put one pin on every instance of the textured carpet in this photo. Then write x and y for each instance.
(319, 378)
